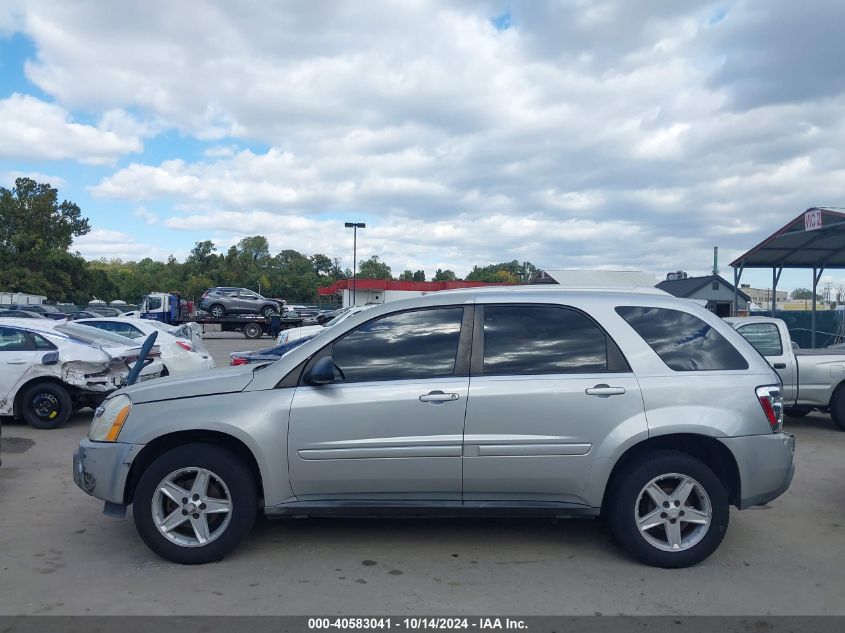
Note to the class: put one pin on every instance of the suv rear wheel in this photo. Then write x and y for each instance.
(669, 510)
(194, 504)
(217, 310)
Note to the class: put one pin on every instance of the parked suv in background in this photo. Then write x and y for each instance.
(643, 407)
(40, 308)
(222, 301)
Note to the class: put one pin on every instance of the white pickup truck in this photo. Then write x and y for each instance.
(813, 379)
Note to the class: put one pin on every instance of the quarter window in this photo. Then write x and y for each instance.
(41, 342)
(418, 344)
(522, 339)
(681, 340)
(764, 337)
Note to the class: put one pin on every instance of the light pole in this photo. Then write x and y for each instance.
(354, 226)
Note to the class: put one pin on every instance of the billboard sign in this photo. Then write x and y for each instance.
(813, 220)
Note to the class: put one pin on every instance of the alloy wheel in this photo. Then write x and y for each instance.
(673, 512)
(192, 507)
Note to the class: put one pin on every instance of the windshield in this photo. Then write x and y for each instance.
(47, 308)
(341, 316)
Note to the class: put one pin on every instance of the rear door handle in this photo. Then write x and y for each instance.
(438, 396)
(16, 361)
(780, 365)
(604, 391)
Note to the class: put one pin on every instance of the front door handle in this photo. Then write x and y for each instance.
(780, 365)
(604, 391)
(16, 361)
(438, 396)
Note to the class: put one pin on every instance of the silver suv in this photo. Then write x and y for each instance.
(644, 408)
(222, 301)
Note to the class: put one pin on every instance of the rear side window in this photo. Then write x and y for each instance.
(681, 340)
(764, 337)
(522, 339)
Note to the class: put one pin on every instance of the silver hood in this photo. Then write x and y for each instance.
(222, 380)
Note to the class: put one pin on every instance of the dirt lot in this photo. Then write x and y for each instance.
(58, 554)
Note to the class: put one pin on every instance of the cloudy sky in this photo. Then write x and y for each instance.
(572, 133)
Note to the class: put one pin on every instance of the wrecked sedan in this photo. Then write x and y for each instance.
(50, 369)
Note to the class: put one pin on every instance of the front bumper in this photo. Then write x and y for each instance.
(101, 468)
(766, 466)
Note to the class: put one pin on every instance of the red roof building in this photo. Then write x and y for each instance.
(384, 290)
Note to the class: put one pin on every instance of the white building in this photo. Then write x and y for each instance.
(369, 291)
(8, 298)
(596, 278)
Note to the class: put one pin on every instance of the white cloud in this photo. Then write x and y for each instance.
(587, 134)
(109, 244)
(34, 129)
(146, 215)
(8, 178)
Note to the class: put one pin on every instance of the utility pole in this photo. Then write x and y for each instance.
(354, 226)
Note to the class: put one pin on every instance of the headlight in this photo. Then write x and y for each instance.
(109, 419)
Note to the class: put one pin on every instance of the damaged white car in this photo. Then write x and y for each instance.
(51, 369)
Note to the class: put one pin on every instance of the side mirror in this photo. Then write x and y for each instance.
(323, 372)
(50, 358)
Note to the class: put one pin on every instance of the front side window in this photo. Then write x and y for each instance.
(153, 304)
(417, 344)
(12, 340)
(681, 340)
(764, 337)
(541, 340)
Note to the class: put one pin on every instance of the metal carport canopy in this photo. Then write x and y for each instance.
(815, 239)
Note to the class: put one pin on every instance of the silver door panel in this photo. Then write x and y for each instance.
(377, 440)
(536, 437)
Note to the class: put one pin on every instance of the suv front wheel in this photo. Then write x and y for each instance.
(669, 510)
(194, 504)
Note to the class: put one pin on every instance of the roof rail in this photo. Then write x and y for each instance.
(646, 290)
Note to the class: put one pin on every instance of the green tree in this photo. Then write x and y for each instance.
(36, 233)
(374, 269)
(505, 272)
(323, 264)
(406, 275)
(444, 275)
(804, 293)
(419, 275)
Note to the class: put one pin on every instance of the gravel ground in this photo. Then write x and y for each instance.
(60, 555)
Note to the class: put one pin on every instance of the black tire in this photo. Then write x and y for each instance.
(268, 311)
(253, 330)
(837, 407)
(624, 504)
(225, 466)
(217, 311)
(45, 405)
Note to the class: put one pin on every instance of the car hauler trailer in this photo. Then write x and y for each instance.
(171, 308)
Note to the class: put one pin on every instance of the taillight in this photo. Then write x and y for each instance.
(185, 346)
(772, 402)
(237, 360)
(205, 295)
